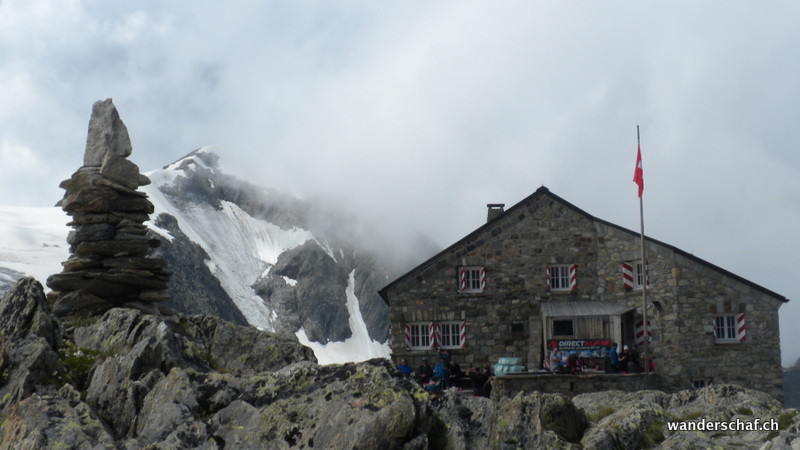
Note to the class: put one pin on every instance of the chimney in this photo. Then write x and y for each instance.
(495, 209)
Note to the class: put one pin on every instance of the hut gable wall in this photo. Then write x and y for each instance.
(505, 319)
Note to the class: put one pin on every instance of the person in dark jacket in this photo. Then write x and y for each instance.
(425, 372)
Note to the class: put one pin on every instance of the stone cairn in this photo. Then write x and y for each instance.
(108, 264)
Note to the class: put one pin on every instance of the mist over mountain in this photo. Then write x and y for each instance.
(251, 255)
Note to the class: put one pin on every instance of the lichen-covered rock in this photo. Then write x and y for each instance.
(54, 420)
(607, 402)
(635, 426)
(723, 401)
(201, 342)
(465, 421)
(537, 420)
(366, 405)
(169, 415)
(120, 383)
(24, 312)
(26, 365)
(28, 336)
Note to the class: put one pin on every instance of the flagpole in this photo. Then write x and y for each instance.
(644, 276)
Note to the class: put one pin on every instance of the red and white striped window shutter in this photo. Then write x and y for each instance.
(730, 328)
(639, 332)
(549, 285)
(407, 336)
(463, 335)
(433, 335)
(573, 277)
(741, 328)
(627, 276)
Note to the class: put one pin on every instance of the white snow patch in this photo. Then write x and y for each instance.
(358, 347)
(290, 281)
(33, 240)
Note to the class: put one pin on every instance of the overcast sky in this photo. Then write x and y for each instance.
(420, 113)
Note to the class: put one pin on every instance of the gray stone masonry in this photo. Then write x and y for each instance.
(515, 248)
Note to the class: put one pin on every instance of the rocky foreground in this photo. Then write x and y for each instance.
(132, 380)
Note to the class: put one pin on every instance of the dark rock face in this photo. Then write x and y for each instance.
(193, 289)
(108, 265)
(317, 302)
(338, 233)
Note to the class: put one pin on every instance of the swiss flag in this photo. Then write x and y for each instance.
(638, 174)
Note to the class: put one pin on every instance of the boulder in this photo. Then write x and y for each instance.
(537, 420)
(369, 405)
(107, 134)
(24, 312)
(55, 420)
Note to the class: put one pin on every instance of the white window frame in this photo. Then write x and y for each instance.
(450, 334)
(638, 276)
(472, 276)
(559, 277)
(420, 335)
(725, 325)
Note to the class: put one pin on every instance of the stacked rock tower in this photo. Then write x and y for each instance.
(108, 264)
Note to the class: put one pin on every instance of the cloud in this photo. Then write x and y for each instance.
(420, 113)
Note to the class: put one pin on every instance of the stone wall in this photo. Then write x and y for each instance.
(510, 385)
(515, 248)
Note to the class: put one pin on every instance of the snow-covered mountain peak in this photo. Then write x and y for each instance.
(238, 251)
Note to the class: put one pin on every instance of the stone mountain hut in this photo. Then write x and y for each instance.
(545, 273)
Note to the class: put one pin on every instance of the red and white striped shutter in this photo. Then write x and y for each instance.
(740, 328)
(462, 335)
(627, 276)
(433, 335)
(390, 338)
(573, 277)
(639, 332)
(714, 325)
(462, 279)
(647, 273)
(483, 279)
(547, 276)
(408, 336)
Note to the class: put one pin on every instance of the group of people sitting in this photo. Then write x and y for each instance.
(626, 361)
(446, 374)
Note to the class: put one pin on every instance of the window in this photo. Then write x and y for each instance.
(700, 384)
(450, 334)
(563, 328)
(639, 275)
(420, 337)
(633, 274)
(471, 279)
(517, 327)
(729, 327)
(561, 277)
